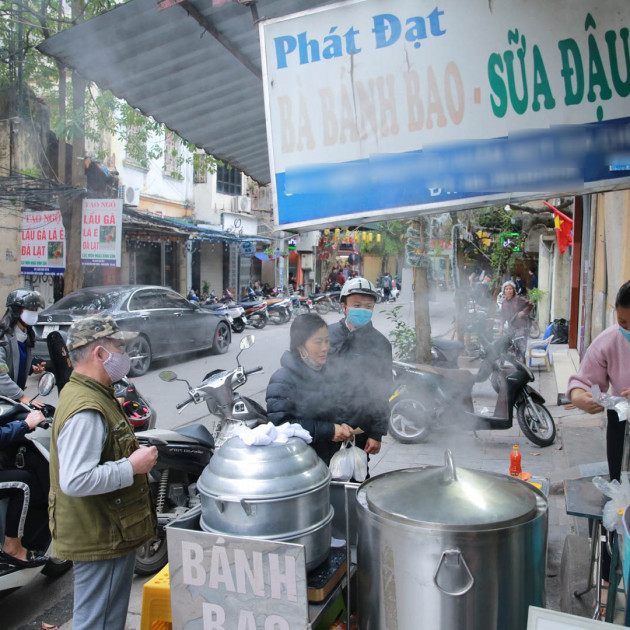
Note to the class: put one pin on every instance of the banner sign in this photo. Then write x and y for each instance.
(231, 583)
(101, 232)
(43, 243)
(378, 109)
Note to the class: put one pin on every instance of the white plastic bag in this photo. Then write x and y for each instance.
(619, 494)
(342, 462)
(360, 463)
(608, 401)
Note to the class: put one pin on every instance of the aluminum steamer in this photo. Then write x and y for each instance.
(448, 548)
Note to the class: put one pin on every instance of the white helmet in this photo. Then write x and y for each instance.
(358, 286)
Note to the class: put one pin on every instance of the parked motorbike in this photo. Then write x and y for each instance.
(255, 309)
(234, 313)
(301, 304)
(427, 397)
(32, 453)
(183, 453)
(279, 310)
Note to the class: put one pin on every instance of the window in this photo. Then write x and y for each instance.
(200, 172)
(136, 147)
(228, 180)
(171, 155)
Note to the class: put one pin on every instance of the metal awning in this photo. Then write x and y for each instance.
(194, 67)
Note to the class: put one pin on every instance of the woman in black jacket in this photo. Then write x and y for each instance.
(302, 391)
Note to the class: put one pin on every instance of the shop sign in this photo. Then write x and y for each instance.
(248, 249)
(381, 109)
(43, 248)
(101, 232)
(230, 583)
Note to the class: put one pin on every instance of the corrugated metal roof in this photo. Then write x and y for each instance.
(167, 65)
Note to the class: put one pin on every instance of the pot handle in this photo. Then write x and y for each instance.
(450, 472)
(452, 576)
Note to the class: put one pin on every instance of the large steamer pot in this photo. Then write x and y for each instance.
(451, 549)
(277, 492)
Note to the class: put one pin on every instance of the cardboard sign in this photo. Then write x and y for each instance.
(230, 583)
(101, 232)
(378, 109)
(43, 243)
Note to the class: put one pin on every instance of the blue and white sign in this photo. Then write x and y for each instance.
(384, 109)
(248, 249)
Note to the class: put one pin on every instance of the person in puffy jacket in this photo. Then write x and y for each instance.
(515, 311)
(302, 390)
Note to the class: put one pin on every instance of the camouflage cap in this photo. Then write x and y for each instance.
(89, 329)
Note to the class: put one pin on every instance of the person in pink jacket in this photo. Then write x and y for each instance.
(607, 364)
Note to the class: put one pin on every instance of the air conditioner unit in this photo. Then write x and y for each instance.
(131, 196)
(243, 204)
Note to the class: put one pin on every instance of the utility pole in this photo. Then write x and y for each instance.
(421, 292)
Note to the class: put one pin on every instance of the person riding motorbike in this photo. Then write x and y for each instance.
(16, 330)
(23, 490)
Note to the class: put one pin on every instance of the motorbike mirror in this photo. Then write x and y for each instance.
(46, 383)
(247, 342)
(168, 376)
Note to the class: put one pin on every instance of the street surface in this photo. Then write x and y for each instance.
(50, 601)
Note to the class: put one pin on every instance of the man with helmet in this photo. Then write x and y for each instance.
(361, 357)
(16, 330)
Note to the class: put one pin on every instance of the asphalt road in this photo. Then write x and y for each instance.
(50, 600)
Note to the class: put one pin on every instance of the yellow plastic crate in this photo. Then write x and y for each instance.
(156, 603)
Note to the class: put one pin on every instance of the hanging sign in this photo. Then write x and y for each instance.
(43, 243)
(230, 583)
(248, 249)
(378, 109)
(101, 232)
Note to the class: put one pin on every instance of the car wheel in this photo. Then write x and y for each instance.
(222, 338)
(140, 352)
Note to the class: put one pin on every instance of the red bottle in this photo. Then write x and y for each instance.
(515, 462)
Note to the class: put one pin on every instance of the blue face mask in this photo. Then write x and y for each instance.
(625, 333)
(359, 316)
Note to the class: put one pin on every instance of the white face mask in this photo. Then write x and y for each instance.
(117, 365)
(29, 317)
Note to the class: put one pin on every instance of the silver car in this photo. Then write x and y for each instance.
(167, 322)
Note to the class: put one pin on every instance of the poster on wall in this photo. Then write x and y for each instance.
(381, 109)
(43, 250)
(101, 232)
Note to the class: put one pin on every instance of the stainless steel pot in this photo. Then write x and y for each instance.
(277, 492)
(451, 549)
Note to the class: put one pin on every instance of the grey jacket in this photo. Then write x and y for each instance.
(10, 367)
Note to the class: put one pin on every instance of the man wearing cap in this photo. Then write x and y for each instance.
(100, 509)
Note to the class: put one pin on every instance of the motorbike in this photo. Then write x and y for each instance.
(183, 453)
(301, 304)
(32, 453)
(255, 309)
(280, 310)
(427, 397)
(234, 313)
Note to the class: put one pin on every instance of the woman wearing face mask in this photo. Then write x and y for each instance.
(301, 390)
(607, 364)
(16, 331)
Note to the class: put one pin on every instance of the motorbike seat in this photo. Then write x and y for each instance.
(197, 432)
(461, 376)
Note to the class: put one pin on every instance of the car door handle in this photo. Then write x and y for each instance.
(178, 314)
(144, 317)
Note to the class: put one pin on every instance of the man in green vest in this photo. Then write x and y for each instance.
(100, 508)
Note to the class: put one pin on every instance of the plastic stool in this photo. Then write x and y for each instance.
(156, 603)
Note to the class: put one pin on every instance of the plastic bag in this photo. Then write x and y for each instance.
(360, 463)
(343, 462)
(619, 494)
(608, 401)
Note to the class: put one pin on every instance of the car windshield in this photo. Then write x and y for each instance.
(88, 302)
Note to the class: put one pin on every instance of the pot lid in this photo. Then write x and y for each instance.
(450, 498)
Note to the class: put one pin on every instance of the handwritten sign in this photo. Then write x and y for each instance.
(101, 232)
(43, 243)
(415, 105)
(230, 583)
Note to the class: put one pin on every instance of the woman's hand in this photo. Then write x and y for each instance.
(372, 447)
(38, 404)
(39, 368)
(625, 392)
(34, 418)
(584, 401)
(343, 432)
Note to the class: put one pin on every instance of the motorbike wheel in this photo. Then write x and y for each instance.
(222, 338)
(336, 305)
(303, 310)
(139, 350)
(322, 307)
(238, 326)
(151, 557)
(258, 321)
(540, 433)
(409, 419)
(534, 329)
(55, 567)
